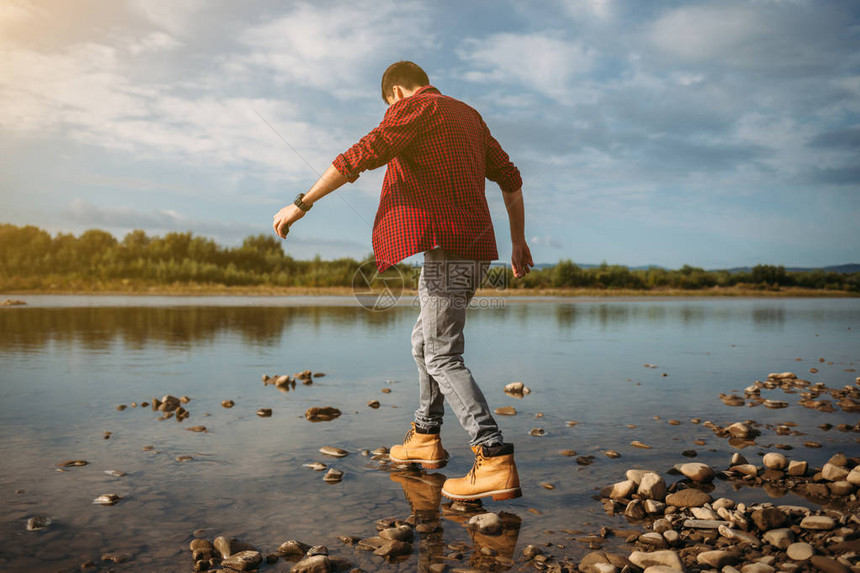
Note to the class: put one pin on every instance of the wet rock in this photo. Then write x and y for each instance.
(738, 459)
(697, 471)
(774, 461)
(828, 564)
(333, 451)
(515, 388)
(333, 475)
(653, 539)
(568, 453)
(739, 430)
(121, 407)
(718, 559)
(537, 432)
(739, 536)
(316, 466)
(703, 513)
(841, 488)
(185, 458)
(168, 403)
(782, 376)
(506, 411)
(705, 523)
(665, 558)
(838, 459)
(373, 404)
(488, 523)
(745, 469)
(531, 551)
(732, 400)
(107, 499)
(243, 560)
(72, 463)
(321, 414)
(399, 533)
(818, 522)
(264, 412)
(318, 550)
(201, 549)
(800, 551)
(612, 454)
(313, 564)
(797, 468)
(653, 507)
(292, 548)
(196, 429)
(652, 486)
(620, 490)
(757, 568)
(115, 473)
(854, 476)
(635, 510)
(228, 403)
(585, 460)
(780, 538)
(775, 404)
(39, 523)
(688, 498)
(394, 548)
(832, 472)
(638, 444)
(768, 518)
(811, 444)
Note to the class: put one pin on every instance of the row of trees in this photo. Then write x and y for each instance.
(260, 260)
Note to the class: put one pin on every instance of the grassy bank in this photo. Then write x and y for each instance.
(66, 285)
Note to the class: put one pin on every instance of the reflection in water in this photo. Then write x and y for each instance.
(94, 327)
(770, 317)
(491, 550)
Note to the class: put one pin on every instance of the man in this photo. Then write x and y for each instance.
(439, 153)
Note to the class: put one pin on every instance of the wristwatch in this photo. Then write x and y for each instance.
(301, 204)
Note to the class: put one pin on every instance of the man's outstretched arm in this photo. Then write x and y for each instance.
(521, 256)
(328, 182)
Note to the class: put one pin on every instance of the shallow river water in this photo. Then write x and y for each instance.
(67, 363)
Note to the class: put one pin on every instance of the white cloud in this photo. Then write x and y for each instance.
(170, 15)
(154, 42)
(540, 62)
(15, 12)
(317, 46)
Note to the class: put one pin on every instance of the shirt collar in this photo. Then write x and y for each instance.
(428, 89)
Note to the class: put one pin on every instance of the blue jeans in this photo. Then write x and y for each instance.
(445, 287)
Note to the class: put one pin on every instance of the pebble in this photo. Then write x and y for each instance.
(321, 414)
(243, 560)
(612, 454)
(832, 472)
(665, 558)
(487, 523)
(652, 486)
(739, 430)
(386, 390)
(818, 522)
(800, 551)
(373, 404)
(264, 412)
(537, 432)
(738, 535)
(313, 564)
(620, 490)
(39, 522)
(653, 539)
(228, 403)
(688, 498)
(568, 453)
(718, 558)
(506, 411)
(115, 473)
(293, 547)
(797, 468)
(72, 463)
(705, 523)
(811, 444)
(780, 538)
(196, 429)
(394, 548)
(585, 460)
(185, 458)
(316, 466)
(768, 518)
(757, 568)
(107, 499)
(333, 451)
(774, 461)
(697, 471)
(638, 444)
(333, 475)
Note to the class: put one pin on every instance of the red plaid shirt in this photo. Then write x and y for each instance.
(439, 152)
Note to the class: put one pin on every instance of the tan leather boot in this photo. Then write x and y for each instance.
(418, 448)
(423, 491)
(493, 474)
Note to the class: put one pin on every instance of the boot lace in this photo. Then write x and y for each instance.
(479, 458)
(408, 437)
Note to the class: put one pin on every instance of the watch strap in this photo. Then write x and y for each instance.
(301, 204)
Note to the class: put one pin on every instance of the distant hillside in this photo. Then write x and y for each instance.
(842, 269)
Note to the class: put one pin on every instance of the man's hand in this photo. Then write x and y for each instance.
(521, 259)
(286, 217)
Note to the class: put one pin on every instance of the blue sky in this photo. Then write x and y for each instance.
(718, 134)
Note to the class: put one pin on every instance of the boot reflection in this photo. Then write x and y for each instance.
(492, 552)
(423, 491)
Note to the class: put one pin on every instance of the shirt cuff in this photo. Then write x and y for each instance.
(342, 165)
(511, 183)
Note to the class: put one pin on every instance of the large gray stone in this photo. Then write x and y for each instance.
(800, 551)
(652, 486)
(780, 538)
(697, 471)
(688, 498)
(718, 559)
(664, 557)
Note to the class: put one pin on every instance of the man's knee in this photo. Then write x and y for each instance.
(441, 363)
